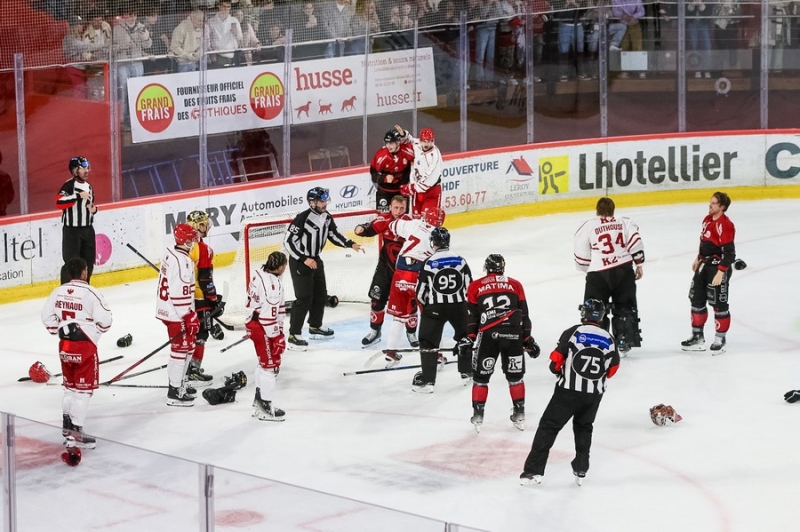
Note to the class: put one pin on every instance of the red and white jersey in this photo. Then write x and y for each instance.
(606, 242)
(716, 241)
(265, 296)
(427, 167)
(417, 235)
(175, 285)
(79, 303)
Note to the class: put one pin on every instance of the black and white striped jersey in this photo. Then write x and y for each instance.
(444, 279)
(586, 355)
(74, 209)
(306, 235)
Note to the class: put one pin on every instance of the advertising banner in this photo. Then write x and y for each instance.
(250, 97)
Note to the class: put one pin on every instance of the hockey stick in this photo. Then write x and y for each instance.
(234, 344)
(141, 373)
(148, 355)
(138, 385)
(375, 356)
(112, 359)
(381, 370)
(222, 324)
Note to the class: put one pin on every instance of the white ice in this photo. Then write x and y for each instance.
(730, 465)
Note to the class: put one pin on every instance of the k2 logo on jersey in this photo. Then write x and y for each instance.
(554, 175)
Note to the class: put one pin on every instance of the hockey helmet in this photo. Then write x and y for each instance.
(392, 136)
(434, 217)
(38, 373)
(185, 233)
(662, 414)
(78, 162)
(440, 238)
(426, 134)
(592, 310)
(196, 218)
(495, 263)
(318, 194)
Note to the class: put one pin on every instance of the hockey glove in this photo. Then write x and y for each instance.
(406, 190)
(190, 324)
(792, 396)
(236, 381)
(531, 347)
(277, 346)
(219, 307)
(216, 332)
(739, 264)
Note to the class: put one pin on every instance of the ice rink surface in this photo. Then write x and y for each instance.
(730, 465)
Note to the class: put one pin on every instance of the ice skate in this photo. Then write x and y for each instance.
(518, 416)
(579, 476)
(179, 397)
(420, 386)
(296, 342)
(718, 346)
(477, 417)
(74, 435)
(264, 411)
(320, 333)
(696, 343)
(466, 379)
(372, 338)
(529, 479)
(412, 338)
(392, 358)
(198, 376)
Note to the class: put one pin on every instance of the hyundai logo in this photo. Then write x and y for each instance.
(348, 191)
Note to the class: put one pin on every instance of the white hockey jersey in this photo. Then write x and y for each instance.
(417, 235)
(427, 169)
(175, 297)
(79, 303)
(606, 242)
(265, 296)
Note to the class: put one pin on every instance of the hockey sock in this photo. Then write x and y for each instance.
(265, 382)
(699, 317)
(176, 368)
(376, 318)
(396, 330)
(78, 406)
(199, 351)
(479, 393)
(517, 390)
(722, 321)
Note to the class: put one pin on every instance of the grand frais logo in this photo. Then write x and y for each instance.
(155, 108)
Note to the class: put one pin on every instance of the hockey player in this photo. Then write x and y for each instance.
(206, 301)
(391, 168)
(175, 307)
(442, 296)
(304, 240)
(402, 305)
(583, 359)
(79, 315)
(424, 187)
(610, 249)
(499, 326)
(266, 309)
(712, 275)
(390, 245)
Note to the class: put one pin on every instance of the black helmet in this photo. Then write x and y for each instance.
(495, 263)
(318, 194)
(78, 162)
(592, 310)
(440, 237)
(392, 136)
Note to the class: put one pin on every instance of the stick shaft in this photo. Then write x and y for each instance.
(234, 344)
(381, 370)
(115, 385)
(148, 355)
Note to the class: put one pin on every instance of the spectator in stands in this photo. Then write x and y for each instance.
(726, 28)
(365, 21)
(485, 37)
(250, 42)
(98, 32)
(445, 36)
(130, 39)
(542, 12)
(336, 17)
(78, 51)
(273, 44)
(698, 24)
(629, 12)
(158, 63)
(225, 34)
(269, 16)
(186, 41)
(307, 29)
(6, 190)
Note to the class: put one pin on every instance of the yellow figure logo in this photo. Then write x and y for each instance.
(554, 175)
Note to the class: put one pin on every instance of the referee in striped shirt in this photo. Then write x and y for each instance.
(304, 240)
(76, 202)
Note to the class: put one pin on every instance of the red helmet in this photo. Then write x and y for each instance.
(426, 134)
(38, 373)
(434, 216)
(185, 233)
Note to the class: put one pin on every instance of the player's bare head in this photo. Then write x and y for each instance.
(77, 269)
(397, 207)
(605, 207)
(723, 199)
(276, 263)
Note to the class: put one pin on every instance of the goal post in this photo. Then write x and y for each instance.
(347, 272)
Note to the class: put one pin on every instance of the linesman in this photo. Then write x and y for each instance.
(75, 199)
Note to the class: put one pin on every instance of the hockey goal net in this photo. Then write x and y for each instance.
(347, 272)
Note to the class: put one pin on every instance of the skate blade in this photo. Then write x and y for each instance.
(199, 384)
(180, 403)
(693, 348)
(535, 481)
(718, 352)
(375, 341)
(292, 347)
(392, 363)
(520, 425)
(262, 417)
(321, 337)
(478, 427)
(579, 481)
